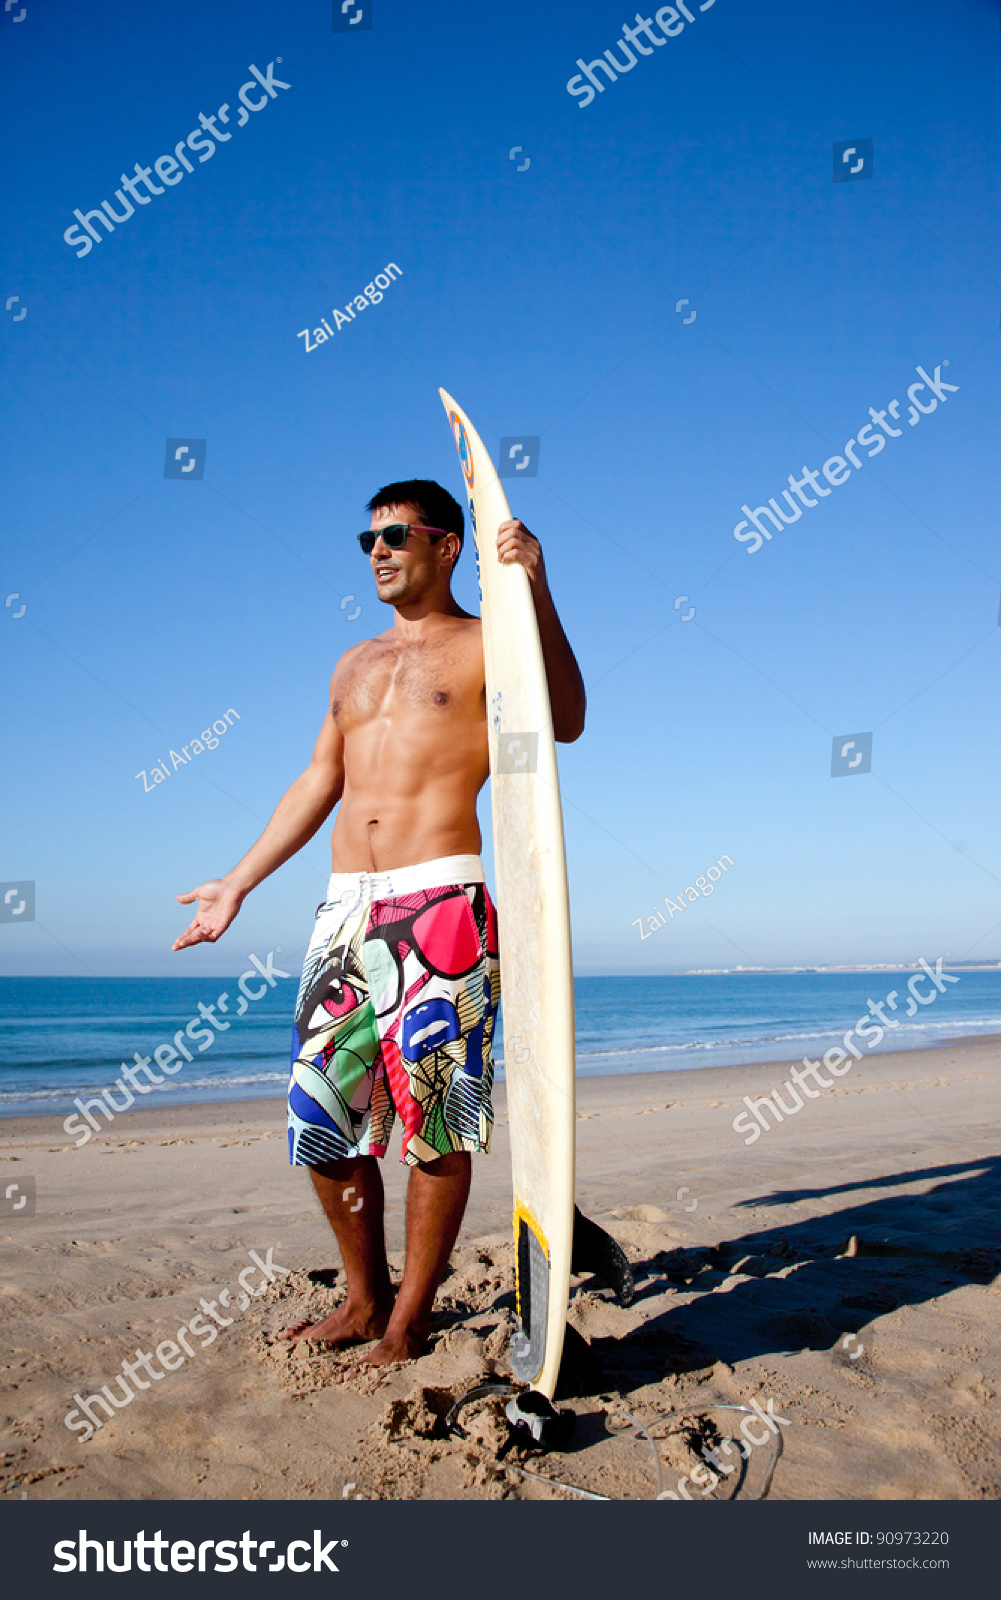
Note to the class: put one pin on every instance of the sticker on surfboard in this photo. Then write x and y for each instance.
(469, 474)
(462, 445)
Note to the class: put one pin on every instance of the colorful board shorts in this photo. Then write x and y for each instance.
(395, 1015)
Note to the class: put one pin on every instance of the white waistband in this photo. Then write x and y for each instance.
(404, 880)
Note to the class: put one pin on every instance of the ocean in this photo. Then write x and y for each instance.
(66, 1037)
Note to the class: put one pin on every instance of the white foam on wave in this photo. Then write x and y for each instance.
(71, 1092)
(734, 1042)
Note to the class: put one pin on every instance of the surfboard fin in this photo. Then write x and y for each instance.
(595, 1251)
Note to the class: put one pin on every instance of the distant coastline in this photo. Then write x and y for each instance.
(862, 966)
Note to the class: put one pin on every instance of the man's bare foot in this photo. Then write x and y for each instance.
(347, 1325)
(403, 1346)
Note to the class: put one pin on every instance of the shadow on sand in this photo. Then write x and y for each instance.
(839, 1272)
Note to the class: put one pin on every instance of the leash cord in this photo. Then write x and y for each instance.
(483, 1390)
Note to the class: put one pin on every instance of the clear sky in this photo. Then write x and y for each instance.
(544, 300)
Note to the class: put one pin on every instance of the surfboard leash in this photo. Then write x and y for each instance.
(773, 1458)
(535, 1420)
(524, 1417)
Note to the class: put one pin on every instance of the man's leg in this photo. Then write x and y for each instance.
(351, 1194)
(436, 1200)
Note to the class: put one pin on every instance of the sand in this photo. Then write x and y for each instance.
(838, 1274)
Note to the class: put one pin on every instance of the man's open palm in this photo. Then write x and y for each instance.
(217, 906)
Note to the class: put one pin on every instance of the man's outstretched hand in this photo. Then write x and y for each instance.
(217, 906)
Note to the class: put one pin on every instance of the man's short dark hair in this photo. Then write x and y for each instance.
(435, 504)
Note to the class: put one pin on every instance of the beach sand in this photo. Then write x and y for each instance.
(839, 1271)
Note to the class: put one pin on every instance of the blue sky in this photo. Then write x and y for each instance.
(545, 301)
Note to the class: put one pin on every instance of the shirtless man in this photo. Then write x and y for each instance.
(400, 983)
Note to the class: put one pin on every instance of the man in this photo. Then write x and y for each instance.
(400, 984)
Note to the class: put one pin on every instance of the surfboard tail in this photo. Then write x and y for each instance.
(531, 1257)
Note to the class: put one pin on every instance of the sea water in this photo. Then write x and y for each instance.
(66, 1037)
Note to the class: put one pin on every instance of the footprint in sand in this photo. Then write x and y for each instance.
(641, 1214)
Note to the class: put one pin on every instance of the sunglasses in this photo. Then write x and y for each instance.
(444, 935)
(395, 536)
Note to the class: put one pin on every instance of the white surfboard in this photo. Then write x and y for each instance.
(534, 916)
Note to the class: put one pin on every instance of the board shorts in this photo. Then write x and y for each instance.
(395, 1016)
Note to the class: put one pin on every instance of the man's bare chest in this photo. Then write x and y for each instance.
(437, 680)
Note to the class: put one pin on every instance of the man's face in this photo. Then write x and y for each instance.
(406, 575)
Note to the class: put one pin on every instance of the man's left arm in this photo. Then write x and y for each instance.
(566, 686)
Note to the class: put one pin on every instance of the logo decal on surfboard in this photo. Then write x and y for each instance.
(462, 445)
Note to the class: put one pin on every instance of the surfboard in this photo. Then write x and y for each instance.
(534, 917)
